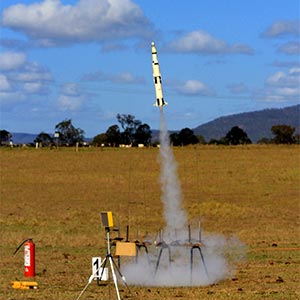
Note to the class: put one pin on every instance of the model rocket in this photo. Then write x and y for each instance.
(157, 79)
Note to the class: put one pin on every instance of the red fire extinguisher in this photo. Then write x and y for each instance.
(29, 257)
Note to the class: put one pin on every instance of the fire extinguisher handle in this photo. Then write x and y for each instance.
(21, 245)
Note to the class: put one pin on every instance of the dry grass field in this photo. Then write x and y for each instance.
(251, 193)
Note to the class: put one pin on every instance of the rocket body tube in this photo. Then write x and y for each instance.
(157, 79)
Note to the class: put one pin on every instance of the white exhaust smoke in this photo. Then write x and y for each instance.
(175, 216)
(172, 260)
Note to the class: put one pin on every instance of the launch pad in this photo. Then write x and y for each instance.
(155, 251)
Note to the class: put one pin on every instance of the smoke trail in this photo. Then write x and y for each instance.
(175, 216)
(178, 270)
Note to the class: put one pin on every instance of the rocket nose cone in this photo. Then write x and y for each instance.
(153, 48)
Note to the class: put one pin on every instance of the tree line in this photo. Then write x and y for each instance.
(131, 131)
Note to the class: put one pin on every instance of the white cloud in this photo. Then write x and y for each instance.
(35, 88)
(4, 83)
(70, 103)
(20, 79)
(127, 77)
(282, 79)
(287, 92)
(33, 72)
(275, 78)
(9, 98)
(290, 48)
(204, 43)
(123, 77)
(71, 98)
(193, 88)
(284, 95)
(53, 23)
(11, 60)
(282, 28)
(281, 87)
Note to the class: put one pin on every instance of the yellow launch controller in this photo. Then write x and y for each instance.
(24, 285)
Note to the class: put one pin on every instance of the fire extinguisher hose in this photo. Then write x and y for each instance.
(21, 245)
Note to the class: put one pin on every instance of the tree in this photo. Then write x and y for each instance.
(283, 134)
(44, 138)
(113, 135)
(143, 134)
(68, 134)
(174, 139)
(237, 136)
(100, 139)
(186, 137)
(221, 141)
(5, 136)
(201, 139)
(129, 126)
(134, 132)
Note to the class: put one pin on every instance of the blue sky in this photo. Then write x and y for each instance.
(89, 60)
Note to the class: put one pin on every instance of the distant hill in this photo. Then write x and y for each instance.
(256, 124)
(23, 138)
